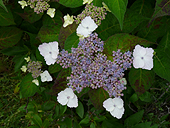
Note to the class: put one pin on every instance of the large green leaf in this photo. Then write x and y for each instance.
(97, 3)
(6, 18)
(110, 25)
(97, 97)
(9, 36)
(27, 87)
(71, 3)
(80, 109)
(162, 58)
(118, 8)
(141, 80)
(3, 6)
(162, 8)
(51, 27)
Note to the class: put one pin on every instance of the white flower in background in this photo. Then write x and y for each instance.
(86, 27)
(35, 81)
(106, 7)
(68, 20)
(123, 81)
(142, 57)
(87, 1)
(49, 51)
(27, 59)
(114, 106)
(45, 76)
(24, 68)
(67, 97)
(51, 12)
(22, 3)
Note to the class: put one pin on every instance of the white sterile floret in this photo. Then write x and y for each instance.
(22, 3)
(123, 81)
(49, 51)
(87, 1)
(67, 97)
(35, 81)
(142, 57)
(51, 12)
(86, 27)
(68, 20)
(24, 68)
(114, 106)
(45, 76)
(27, 59)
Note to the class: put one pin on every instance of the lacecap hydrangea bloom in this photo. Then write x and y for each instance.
(67, 97)
(114, 106)
(86, 27)
(142, 57)
(68, 20)
(49, 51)
(45, 76)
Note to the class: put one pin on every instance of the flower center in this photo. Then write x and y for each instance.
(87, 27)
(68, 97)
(114, 105)
(142, 58)
(50, 52)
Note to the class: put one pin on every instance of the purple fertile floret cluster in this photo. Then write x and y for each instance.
(91, 68)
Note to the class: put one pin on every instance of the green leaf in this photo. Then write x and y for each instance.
(146, 97)
(46, 123)
(162, 8)
(97, 3)
(143, 125)
(19, 61)
(92, 125)
(71, 42)
(76, 125)
(71, 3)
(118, 8)
(3, 6)
(36, 119)
(6, 18)
(111, 124)
(133, 98)
(27, 87)
(68, 122)
(51, 27)
(9, 36)
(57, 109)
(141, 80)
(134, 119)
(80, 109)
(154, 126)
(54, 68)
(99, 118)
(162, 58)
(97, 97)
(30, 107)
(63, 109)
(48, 105)
(86, 120)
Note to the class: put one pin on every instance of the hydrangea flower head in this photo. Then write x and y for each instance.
(87, 1)
(86, 27)
(142, 57)
(22, 3)
(49, 51)
(51, 12)
(45, 76)
(67, 97)
(68, 20)
(114, 106)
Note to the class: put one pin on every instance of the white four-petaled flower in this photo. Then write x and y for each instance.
(22, 3)
(68, 20)
(87, 1)
(51, 12)
(86, 27)
(45, 76)
(114, 106)
(49, 51)
(67, 97)
(142, 57)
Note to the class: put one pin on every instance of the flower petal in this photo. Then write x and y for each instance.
(148, 63)
(69, 92)
(108, 104)
(82, 31)
(149, 52)
(118, 113)
(73, 102)
(118, 102)
(45, 76)
(139, 51)
(138, 62)
(62, 98)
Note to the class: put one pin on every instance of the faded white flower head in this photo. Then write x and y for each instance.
(27, 59)
(51, 12)
(86, 27)
(67, 97)
(123, 81)
(87, 1)
(45, 76)
(22, 3)
(35, 81)
(142, 57)
(24, 68)
(68, 20)
(114, 106)
(49, 51)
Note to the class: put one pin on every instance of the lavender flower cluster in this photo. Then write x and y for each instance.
(39, 5)
(96, 13)
(34, 67)
(90, 68)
